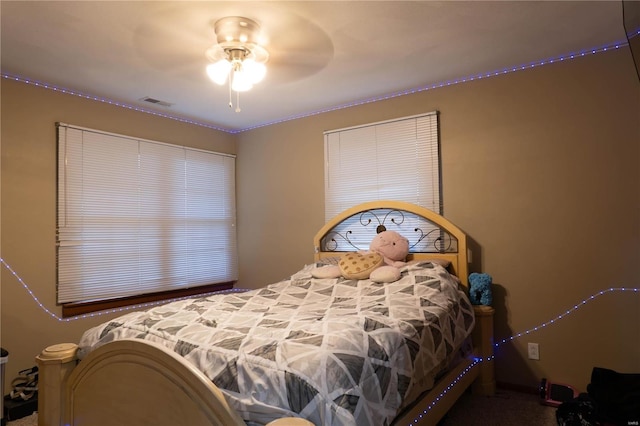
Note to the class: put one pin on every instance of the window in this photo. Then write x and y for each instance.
(137, 217)
(391, 160)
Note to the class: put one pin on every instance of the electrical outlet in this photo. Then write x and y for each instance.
(534, 351)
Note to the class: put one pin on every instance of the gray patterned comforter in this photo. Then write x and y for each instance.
(334, 351)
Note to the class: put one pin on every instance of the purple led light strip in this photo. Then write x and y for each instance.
(567, 312)
(108, 101)
(475, 362)
(612, 46)
(109, 311)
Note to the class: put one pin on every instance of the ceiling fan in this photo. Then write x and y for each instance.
(186, 40)
(238, 56)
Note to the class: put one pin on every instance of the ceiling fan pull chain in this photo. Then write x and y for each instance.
(230, 94)
(237, 101)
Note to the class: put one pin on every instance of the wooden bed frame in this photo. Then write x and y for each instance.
(137, 382)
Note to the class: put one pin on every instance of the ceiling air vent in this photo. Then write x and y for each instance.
(156, 101)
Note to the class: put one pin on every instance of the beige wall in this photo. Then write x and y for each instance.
(28, 204)
(540, 168)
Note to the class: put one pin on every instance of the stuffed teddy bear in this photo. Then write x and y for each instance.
(480, 289)
(387, 253)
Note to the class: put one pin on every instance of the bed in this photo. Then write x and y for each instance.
(302, 351)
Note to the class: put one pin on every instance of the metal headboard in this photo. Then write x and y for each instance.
(356, 232)
(430, 235)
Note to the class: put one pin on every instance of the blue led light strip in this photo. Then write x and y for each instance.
(109, 311)
(561, 58)
(455, 381)
(564, 314)
(476, 360)
(108, 101)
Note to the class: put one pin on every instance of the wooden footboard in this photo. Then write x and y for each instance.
(130, 382)
(139, 382)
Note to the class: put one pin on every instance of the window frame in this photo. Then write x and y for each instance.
(366, 147)
(225, 163)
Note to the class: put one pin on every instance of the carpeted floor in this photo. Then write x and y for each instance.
(31, 420)
(505, 408)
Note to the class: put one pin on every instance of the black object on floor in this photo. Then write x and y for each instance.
(612, 398)
(617, 395)
(4, 357)
(15, 409)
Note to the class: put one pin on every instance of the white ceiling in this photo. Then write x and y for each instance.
(323, 54)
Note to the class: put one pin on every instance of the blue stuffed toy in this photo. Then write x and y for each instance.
(480, 291)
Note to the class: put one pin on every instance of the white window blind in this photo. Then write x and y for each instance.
(138, 216)
(392, 160)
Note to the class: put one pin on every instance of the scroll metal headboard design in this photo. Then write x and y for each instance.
(357, 231)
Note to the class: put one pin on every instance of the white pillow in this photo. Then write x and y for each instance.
(385, 274)
(331, 271)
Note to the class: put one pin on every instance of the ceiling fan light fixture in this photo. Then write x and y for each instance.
(241, 81)
(238, 57)
(255, 70)
(219, 71)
